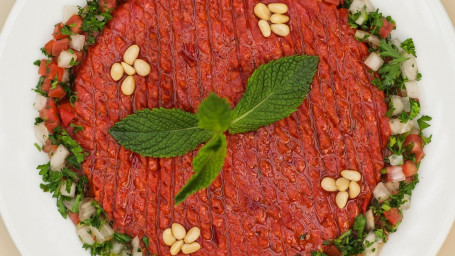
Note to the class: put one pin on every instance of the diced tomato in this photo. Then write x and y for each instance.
(70, 130)
(332, 250)
(107, 5)
(57, 92)
(66, 116)
(414, 139)
(46, 85)
(74, 216)
(49, 148)
(43, 68)
(57, 33)
(79, 55)
(386, 28)
(419, 155)
(75, 24)
(50, 115)
(335, 2)
(409, 168)
(366, 202)
(59, 46)
(49, 46)
(393, 216)
(66, 106)
(55, 72)
(67, 113)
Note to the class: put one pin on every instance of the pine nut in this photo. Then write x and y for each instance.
(278, 8)
(192, 235)
(265, 28)
(131, 54)
(191, 248)
(351, 175)
(341, 199)
(280, 29)
(175, 248)
(168, 237)
(116, 72)
(262, 12)
(129, 70)
(328, 184)
(178, 231)
(354, 189)
(142, 67)
(279, 18)
(342, 184)
(128, 85)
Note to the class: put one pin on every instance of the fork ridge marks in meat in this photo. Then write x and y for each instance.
(268, 196)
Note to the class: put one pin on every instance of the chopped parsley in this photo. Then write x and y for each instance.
(409, 47)
(91, 24)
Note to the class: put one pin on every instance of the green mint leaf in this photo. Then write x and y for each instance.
(207, 164)
(160, 132)
(214, 114)
(274, 92)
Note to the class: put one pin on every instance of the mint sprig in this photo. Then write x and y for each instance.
(207, 164)
(160, 132)
(214, 114)
(274, 91)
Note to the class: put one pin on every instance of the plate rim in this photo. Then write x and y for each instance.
(449, 37)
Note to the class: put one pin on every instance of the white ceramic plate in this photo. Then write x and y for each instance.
(31, 215)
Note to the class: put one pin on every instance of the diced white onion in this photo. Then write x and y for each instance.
(392, 186)
(372, 39)
(65, 192)
(374, 61)
(117, 247)
(397, 127)
(397, 104)
(86, 209)
(370, 220)
(373, 244)
(58, 158)
(359, 5)
(395, 173)
(69, 204)
(412, 89)
(99, 17)
(136, 248)
(135, 242)
(40, 102)
(380, 192)
(396, 159)
(397, 43)
(104, 234)
(69, 11)
(65, 58)
(136, 252)
(41, 133)
(407, 202)
(66, 76)
(409, 67)
(362, 18)
(77, 42)
(126, 253)
(84, 234)
(406, 104)
(414, 131)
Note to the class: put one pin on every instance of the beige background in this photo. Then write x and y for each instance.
(7, 247)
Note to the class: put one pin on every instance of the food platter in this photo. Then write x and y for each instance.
(38, 229)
